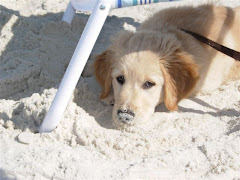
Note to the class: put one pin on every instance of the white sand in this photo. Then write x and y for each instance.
(201, 141)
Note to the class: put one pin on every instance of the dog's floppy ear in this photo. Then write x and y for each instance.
(180, 77)
(102, 70)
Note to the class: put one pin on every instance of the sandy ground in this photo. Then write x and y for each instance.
(201, 141)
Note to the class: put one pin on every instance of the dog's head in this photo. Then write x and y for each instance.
(144, 69)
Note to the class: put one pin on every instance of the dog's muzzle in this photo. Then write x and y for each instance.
(125, 115)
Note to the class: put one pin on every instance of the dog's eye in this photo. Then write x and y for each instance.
(148, 85)
(120, 79)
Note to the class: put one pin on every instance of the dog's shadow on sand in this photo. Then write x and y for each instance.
(216, 112)
(233, 125)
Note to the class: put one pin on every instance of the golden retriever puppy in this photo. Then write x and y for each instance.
(162, 63)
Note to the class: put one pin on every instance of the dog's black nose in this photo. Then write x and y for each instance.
(125, 115)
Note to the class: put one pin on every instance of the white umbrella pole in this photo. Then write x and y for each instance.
(69, 13)
(76, 65)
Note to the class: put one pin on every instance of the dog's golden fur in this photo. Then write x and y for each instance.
(175, 63)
